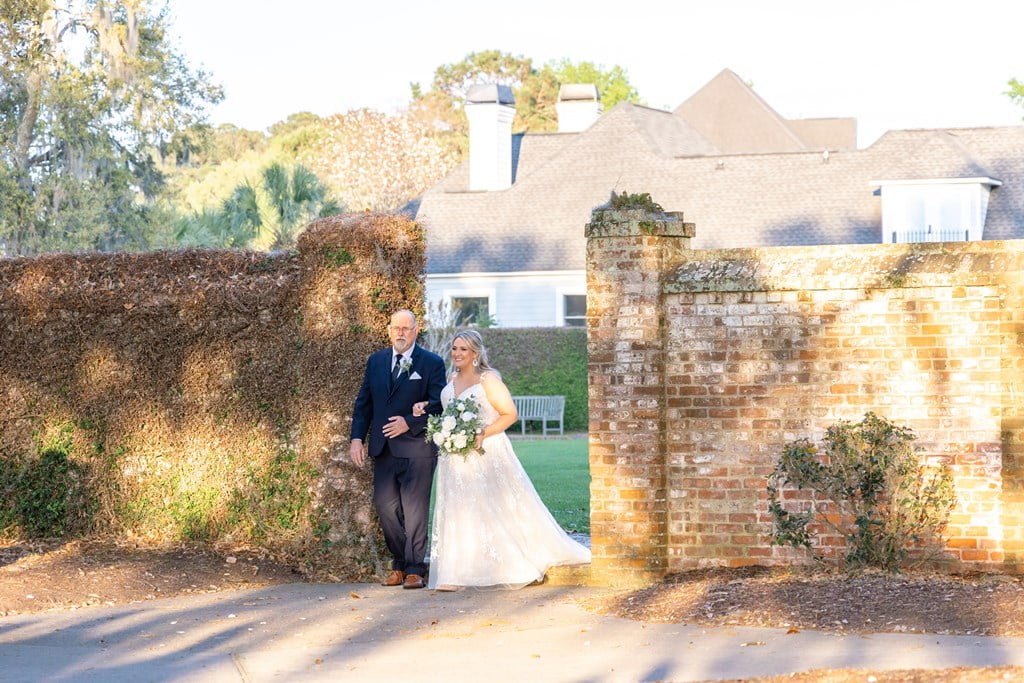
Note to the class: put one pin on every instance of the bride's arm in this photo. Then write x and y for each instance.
(498, 396)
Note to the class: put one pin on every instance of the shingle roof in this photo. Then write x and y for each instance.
(736, 119)
(537, 224)
(831, 133)
(941, 155)
(798, 198)
(669, 135)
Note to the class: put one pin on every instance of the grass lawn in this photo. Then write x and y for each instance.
(561, 474)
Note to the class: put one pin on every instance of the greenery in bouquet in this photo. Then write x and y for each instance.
(454, 430)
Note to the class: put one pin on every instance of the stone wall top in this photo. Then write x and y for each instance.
(635, 222)
(847, 266)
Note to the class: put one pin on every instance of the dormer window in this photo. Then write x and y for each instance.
(939, 210)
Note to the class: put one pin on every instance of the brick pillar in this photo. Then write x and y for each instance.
(627, 254)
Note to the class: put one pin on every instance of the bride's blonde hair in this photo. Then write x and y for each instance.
(476, 343)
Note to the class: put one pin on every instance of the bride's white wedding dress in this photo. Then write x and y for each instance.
(491, 529)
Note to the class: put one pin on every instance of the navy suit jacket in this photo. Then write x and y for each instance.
(377, 400)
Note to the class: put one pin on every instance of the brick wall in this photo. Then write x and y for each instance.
(704, 363)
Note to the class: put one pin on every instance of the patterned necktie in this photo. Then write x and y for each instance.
(396, 371)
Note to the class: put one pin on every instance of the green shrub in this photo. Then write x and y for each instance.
(641, 200)
(882, 501)
(544, 361)
(44, 496)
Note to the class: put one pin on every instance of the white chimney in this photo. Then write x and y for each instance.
(490, 109)
(578, 107)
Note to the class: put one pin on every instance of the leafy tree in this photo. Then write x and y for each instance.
(372, 160)
(223, 159)
(489, 66)
(1016, 92)
(535, 89)
(612, 84)
(91, 93)
(226, 142)
(538, 95)
(440, 107)
(293, 122)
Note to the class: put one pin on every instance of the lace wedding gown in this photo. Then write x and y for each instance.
(491, 529)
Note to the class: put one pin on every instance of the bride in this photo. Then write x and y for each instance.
(491, 529)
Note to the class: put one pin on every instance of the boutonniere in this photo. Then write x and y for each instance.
(404, 365)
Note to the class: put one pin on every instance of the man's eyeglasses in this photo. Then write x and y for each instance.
(405, 330)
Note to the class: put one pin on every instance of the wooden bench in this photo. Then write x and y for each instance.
(541, 408)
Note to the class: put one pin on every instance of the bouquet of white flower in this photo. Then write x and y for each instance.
(454, 430)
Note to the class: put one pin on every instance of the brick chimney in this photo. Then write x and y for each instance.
(578, 107)
(490, 109)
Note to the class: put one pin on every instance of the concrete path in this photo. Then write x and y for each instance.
(360, 632)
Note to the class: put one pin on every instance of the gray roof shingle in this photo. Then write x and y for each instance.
(941, 155)
(748, 200)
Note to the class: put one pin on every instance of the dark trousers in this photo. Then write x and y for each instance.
(401, 494)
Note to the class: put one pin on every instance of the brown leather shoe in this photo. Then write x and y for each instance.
(395, 578)
(413, 581)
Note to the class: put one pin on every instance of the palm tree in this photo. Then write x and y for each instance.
(233, 225)
(296, 198)
(280, 205)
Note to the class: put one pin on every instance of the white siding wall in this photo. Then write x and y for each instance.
(531, 299)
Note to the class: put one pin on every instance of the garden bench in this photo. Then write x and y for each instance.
(541, 408)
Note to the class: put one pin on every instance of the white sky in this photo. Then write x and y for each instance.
(891, 64)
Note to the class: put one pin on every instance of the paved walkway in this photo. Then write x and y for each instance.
(360, 632)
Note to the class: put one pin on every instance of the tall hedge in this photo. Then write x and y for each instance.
(200, 396)
(544, 361)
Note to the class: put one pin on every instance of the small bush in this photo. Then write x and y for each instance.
(44, 496)
(882, 500)
(627, 201)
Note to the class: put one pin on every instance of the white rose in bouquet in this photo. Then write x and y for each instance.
(454, 430)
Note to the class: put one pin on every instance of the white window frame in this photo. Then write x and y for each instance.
(973, 202)
(478, 293)
(560, 294)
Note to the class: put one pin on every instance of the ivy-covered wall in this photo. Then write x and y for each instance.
(200, 396)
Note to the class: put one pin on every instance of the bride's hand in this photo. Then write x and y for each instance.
(479, 441)
(419, 409)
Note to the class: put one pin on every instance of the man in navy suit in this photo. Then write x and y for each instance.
(403, 461)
